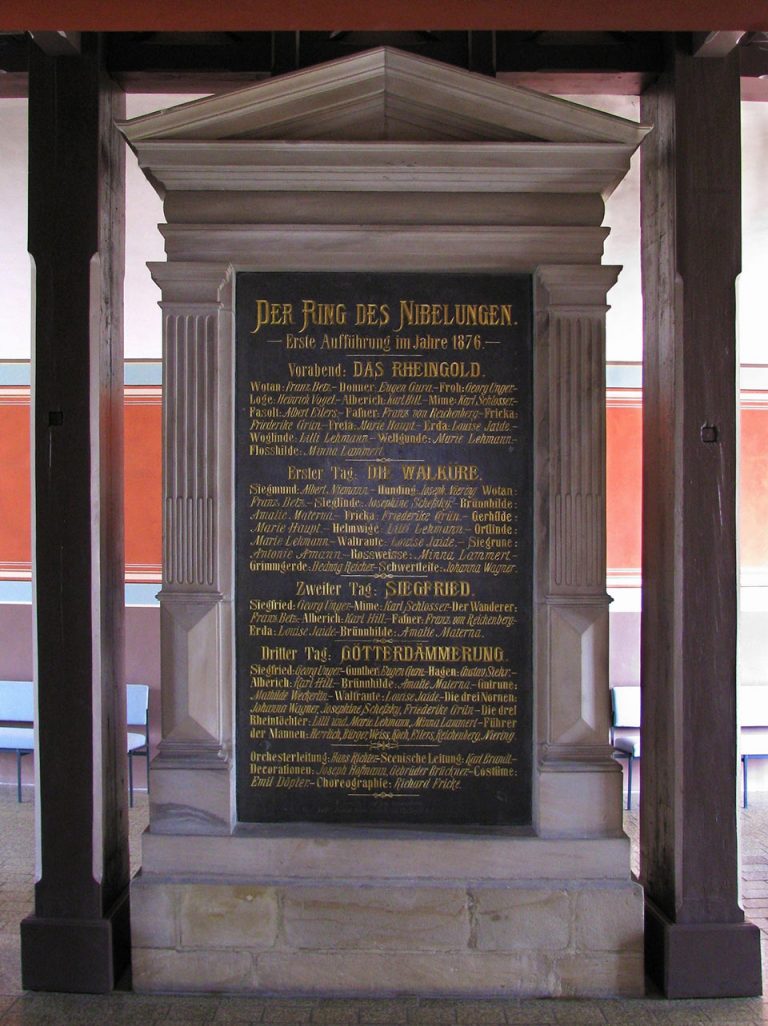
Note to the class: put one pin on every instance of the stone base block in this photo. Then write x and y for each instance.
(580, 801)
(190, 801)
(702, 960)
(385, 937)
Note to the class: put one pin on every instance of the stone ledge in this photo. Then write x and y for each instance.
(275, 854)
(388, 974)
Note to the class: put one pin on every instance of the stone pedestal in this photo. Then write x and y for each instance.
(335, 911)
(385, 162)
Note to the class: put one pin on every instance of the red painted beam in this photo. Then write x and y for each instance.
(322, 15)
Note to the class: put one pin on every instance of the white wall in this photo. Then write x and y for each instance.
(15, 265)
(753, 319)
(624, 341)
(143, 212)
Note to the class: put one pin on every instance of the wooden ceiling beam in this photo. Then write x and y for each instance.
(57, 44)
(581, 83)
(328, 15)
(715, 44)
(577, 63)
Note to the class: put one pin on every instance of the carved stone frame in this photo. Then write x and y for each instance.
(386, 162)
(576, 782)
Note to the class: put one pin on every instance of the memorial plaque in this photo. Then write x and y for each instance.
(384, 476)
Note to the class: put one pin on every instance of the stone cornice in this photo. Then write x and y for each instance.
(380, 247)
(479, 167)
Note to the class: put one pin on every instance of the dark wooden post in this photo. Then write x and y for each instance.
(697, 943)
(78, 937)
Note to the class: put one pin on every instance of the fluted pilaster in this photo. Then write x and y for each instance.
(196, 596)
(572, 605)
(189, 539)
(577, 440)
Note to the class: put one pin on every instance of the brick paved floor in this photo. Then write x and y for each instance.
(754, 864)
(127, 1009)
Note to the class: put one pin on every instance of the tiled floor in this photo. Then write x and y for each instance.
(126, 1009)
(754, 866)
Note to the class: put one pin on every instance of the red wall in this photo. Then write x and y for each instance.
(754, 482)
(624, 434)
(143, 485)
(624, 476)
(15, 486)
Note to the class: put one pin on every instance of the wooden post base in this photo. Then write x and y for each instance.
(81, 956)
(706, 960)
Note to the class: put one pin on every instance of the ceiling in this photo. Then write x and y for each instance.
(593, 61)
(325, 15)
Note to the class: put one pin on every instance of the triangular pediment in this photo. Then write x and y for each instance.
(384, 95)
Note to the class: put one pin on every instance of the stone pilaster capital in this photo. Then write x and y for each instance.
(191, 283)
(577, 287)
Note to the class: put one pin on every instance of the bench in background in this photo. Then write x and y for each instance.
(753, 717)
(138, 716)
(17, 714)
(625, 729)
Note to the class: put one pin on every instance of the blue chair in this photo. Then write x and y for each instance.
(17, 706)
(625, 729)
(137, 716)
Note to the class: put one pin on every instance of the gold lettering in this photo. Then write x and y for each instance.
(272, 314)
